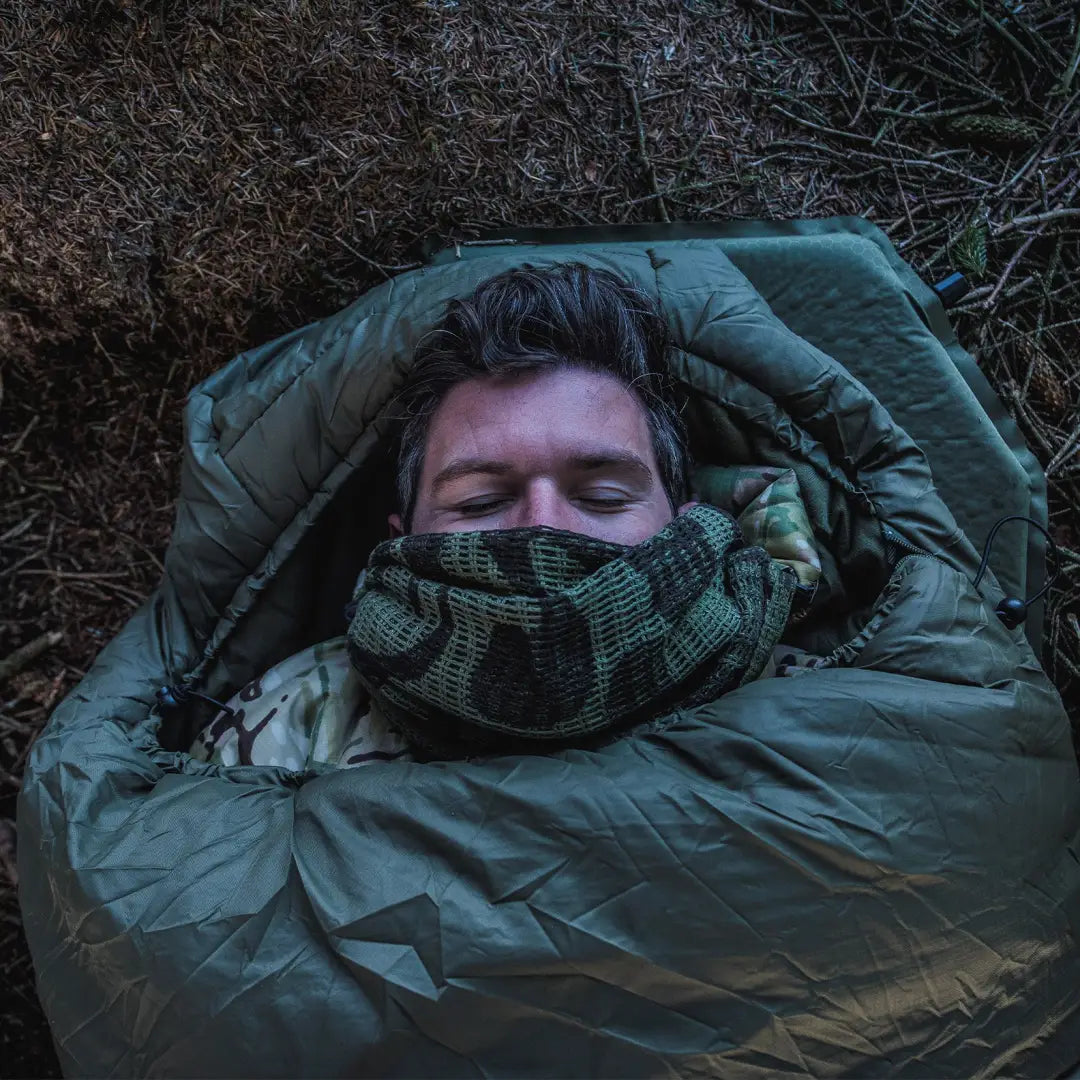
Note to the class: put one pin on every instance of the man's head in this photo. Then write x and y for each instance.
(543, 399)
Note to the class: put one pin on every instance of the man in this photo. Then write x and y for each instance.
(540, 411)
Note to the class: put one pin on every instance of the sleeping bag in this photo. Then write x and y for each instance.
(869, 869)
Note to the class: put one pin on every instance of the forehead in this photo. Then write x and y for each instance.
(537, 416)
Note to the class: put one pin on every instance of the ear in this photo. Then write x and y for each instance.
(687, 506)
(395, 526)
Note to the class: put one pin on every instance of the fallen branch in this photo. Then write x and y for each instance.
(780, 10)
(994, 24)
(7, 851)
(1070, 448)
(1010, 266)
(855, 88)
(650, 172)
(1074, 61)
(1037, 219)
(28, 653)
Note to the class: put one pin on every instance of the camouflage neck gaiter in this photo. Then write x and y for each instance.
(536, 638)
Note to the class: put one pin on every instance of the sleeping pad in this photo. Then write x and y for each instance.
(866, 870)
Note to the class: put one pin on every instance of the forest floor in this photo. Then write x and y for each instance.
(181, 182)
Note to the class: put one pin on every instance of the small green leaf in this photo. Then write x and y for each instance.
(969, 249)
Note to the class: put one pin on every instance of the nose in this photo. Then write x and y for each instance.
(544, 504)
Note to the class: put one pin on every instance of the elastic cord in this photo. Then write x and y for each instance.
(171, 696)
(990, 539)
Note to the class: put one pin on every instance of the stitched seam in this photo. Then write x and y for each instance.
(346, 328)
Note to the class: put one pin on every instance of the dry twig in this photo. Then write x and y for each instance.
(28, 653)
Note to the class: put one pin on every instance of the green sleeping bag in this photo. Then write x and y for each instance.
(869, 870)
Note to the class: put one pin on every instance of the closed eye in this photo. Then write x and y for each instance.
(606, 504)
(478, 509)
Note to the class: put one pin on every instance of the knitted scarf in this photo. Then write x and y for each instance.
(506, 640)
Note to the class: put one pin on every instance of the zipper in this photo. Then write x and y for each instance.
(898, 541)
(806, 593)
(891, 535)
(905, 545)
(803, 599)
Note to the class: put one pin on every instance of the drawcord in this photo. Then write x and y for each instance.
(1012, 611)
(170, 697)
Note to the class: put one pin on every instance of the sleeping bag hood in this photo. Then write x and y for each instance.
(869, 869)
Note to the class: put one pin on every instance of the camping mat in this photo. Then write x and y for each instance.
(840, 284)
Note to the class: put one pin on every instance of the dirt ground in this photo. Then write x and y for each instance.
(181, 182)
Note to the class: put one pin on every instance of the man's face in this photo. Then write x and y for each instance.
(565, 448)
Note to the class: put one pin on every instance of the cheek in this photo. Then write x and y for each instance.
(638, 528)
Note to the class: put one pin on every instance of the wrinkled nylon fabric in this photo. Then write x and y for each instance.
(869, 869)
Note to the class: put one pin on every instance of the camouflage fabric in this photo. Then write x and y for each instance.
(765, 501)
(308, 710)
(476, 641)
(311, 710)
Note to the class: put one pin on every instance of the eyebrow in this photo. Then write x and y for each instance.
(620, 459)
